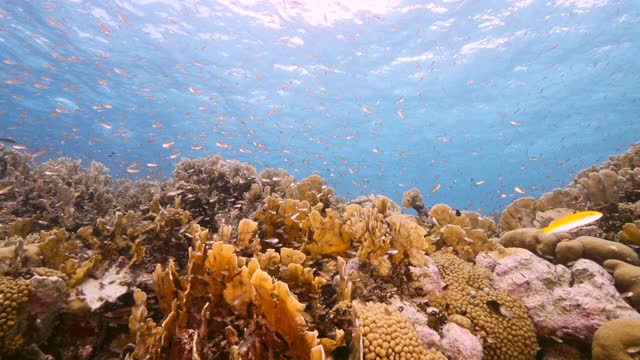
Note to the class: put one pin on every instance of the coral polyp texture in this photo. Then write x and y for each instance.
(224, 262)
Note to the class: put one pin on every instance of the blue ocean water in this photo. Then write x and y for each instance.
(472, 98)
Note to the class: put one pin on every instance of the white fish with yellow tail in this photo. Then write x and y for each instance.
(571, 221)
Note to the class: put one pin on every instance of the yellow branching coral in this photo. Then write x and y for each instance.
(240, 292)
(329, 236)
(285, 219)
(467, 244)
(247, 233)
(283, 313)
(501, 320)
(291, 256)
(386, 334)
(408, 239)
(367, 227)
(13, 294)
(56, 248)
(313, 190)
(148, 335)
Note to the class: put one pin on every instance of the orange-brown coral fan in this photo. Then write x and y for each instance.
(329, 235)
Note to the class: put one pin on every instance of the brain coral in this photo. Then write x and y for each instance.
(13, 293)
(386, 334)
(500, 319)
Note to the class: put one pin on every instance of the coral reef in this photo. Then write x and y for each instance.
(220, 262)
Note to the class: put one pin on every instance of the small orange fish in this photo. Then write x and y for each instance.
(400, 113)
(53, 22)
(480, 182)
(222, 145)
(106, 126)
(174, 155)
(152, 164)
(435, 188)
(194, 90)
(5, 189)
(168, 145)
(519, 190)
(366, 110)
(120, 71)
(37, 154)
(133, 171)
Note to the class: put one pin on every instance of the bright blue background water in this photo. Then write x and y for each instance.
(516, 93)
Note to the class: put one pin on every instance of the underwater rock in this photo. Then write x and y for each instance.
(426, 279)
(459, 343)
(554, 350)
(617, 339)
(563, 302)
(46, 303)
(107, 288)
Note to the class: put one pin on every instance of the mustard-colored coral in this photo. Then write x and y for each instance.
(617, 339)
(13, 294)
(519, 214)
(627, 280)
(630, 233)
(386, 334)
(595, 249)
(500, 319)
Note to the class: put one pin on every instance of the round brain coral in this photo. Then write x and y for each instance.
(501, 320)
(386, 334)
(13, 293)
